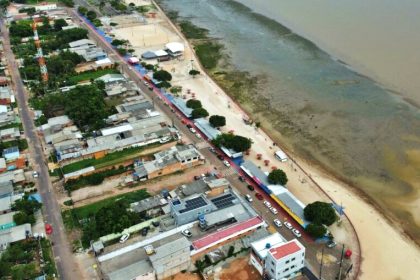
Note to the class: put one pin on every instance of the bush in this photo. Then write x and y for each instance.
(277, 177)
(91, 15)
(320, 213)
(194, 104)
(315, 230)
(194, 72)
(199, 113)
(82, 10)
(231, 251)
(217, 121)
(162, 75)
(68, 202)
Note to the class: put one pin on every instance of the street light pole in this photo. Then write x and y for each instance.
(322, 261)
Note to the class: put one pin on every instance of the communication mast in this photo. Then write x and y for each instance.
(39, 54)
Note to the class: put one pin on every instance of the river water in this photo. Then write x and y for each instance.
(319, 107)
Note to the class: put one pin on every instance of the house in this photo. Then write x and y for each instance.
(16, 176)
(6, 221)
(14, 234)
(120, 88)
(4, 81)
(45, 7)
(7, 118)
(260, 248)
(6, 189)
(111, 78)
(6, 96)
(67, 133)
(11, 153)
(285, 261)
(55, 124)
(169, 161)
(91, 54)
(3, 166)
(9, 133)
(4, 109)
(82, 43)
(7, 202)
(104, 63)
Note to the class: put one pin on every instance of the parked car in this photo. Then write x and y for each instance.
(124, 237)
(296, 232)
(198, 135)
(273, 210)
(251, 188)
(221, 157)
(267, 204)
(213, 150)
(288, 225)
(248, 197)
(226, 163)
(35, 174)
(48, 229)
(242, 179)
(259, 196)
(189, 126)
(197, 177)
(331, 244)
(193, 130)
(186, 233)
(155, 223)
(277, 222)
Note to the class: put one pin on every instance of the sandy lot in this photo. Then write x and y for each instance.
(386, 253)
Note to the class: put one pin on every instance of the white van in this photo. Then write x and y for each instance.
(280, 155)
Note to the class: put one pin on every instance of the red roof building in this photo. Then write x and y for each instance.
(285, 260)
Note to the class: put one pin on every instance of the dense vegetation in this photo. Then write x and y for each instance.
(194, 104)
(320, 213)
(199, 113)
(217, 121)
(27, 208)
(85, 105)
(231, 141)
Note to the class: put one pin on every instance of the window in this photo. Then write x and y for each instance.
(287, 261)
(293, 259)
(272, 270)
(272, 262)
(303, 254)
(183, 161)
(286, 270)
(293, 266)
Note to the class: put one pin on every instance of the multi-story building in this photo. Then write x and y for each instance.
(285, 261)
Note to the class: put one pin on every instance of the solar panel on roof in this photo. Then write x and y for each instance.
(221, 197)
(223, 201)
(193, 204)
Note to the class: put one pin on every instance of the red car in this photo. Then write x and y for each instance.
(259, 196)
(48, 229)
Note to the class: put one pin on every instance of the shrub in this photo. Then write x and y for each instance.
(194, 104)
(315, 230)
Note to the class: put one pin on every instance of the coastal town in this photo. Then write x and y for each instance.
(122, 159)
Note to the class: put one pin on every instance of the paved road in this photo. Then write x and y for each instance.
(66, 266)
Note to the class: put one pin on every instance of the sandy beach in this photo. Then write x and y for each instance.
(386, 252)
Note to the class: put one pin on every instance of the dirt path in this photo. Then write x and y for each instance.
(239, 269)
(109, 188)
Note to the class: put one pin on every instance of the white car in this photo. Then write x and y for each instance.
(296, 232)
(226, 163)
(35, 174)
(193, 130)
(266, 203)
(248, 197)
(288, 225)
(124, 237)
(273, 210)
(186, 233)
(277, 222)
(198, 135)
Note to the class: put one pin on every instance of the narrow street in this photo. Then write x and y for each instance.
(66, 266)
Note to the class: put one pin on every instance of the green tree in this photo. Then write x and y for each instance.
(163, 84)
(321, 213)
(194, 104)
(315, 230)
(117, 42)
(4, 4)
(82, 10)
(68, 3)
(21, 218)
(162, 75)
(231, 251)
(217, 121)
(277, 177)
(26, 205)
(21, 29)
(91, 15)
(59, 24)
(199, 113)
(194, 72)
(236, 142)
(176, 89)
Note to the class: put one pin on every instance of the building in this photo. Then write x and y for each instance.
(11, 153)
(45, 7)
(171, 258)
(7, 202)
(260, 248)
(188, 210)
(123, 88)
(206, 128)
(3, 165)
(174, 49)
(83, 43)
(285, 261)
(9, 133)
(6, 221)
(141, 270)
(7, 118)
(100, 64)
(55, 124)
(111, 78)
(169, 161)
(181, 105)
(6, 189)
(14, 234)
(6, 96)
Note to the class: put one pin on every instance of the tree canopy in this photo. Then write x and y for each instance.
(27, 208)
(236, 142)
(277, 177)
(162, 75)
(82, 10)
(315, 230)
(91, 15)
(217, 121)
(194, 104)
(194, 72)
(320, 213)
(59, 24)
(21, 29)
(199, 113)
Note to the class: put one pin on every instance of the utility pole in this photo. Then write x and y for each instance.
(341, 263)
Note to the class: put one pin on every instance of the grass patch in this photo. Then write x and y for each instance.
(73, 216)
(92, 179)
(191, 31)
(209, 54)
(108, 160)
(87, 76)
(12, 125)
(49, 267)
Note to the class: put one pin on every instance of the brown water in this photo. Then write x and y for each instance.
(323, 110)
